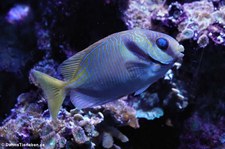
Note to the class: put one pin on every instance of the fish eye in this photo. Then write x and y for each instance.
(162, 43)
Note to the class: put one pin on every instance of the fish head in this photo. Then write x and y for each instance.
(163, 48)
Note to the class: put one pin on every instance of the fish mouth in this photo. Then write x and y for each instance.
(180, 48)
(178, 58)
(180, 53)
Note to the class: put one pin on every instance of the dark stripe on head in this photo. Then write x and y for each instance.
(133, 47)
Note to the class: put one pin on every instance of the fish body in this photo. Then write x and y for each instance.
(120, 64)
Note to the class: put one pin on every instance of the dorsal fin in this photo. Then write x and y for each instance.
(70, 66)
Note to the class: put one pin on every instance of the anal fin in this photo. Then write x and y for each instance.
(82, 101)
(141, 90)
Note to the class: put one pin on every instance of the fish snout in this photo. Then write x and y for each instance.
(180, 55)
(181, 48)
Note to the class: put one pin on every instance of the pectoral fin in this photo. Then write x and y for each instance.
(136, 69)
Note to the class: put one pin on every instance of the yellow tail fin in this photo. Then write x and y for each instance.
(53, 90)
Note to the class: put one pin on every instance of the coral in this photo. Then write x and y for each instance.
(198, 20)
(150, 115)
(200, 17)
(48, 66)
(217, 33)
(44, 39)
(203, 41)
(202, 133)
(30, 122)
(222, 138)
(107, 137)
(18, 14)
(146, 105)
(122, 112)
(178, 94)
(139, 13)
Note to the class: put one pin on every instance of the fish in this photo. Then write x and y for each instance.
(117, 65)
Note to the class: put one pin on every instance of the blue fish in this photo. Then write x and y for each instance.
(117, 65)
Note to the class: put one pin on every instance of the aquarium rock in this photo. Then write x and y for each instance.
(28, 122)
(150, 115)
(198, 20)
(202, 133)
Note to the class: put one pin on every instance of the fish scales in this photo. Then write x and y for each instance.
(113, 63)
(112, 80)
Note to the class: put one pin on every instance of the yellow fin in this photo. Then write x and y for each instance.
(70, 66)
(54, 91)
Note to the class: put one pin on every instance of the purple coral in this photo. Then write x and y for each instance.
(85, 127)
(18, 14)
(176, 13)
(195, 20)
(199, 133)
(139, 13)
(217, 33)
